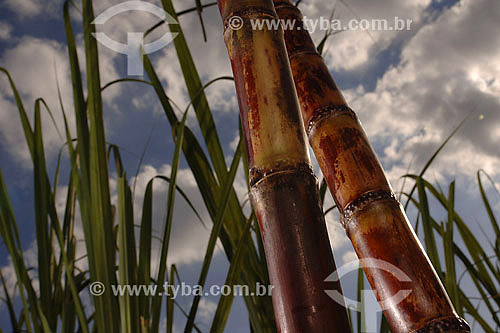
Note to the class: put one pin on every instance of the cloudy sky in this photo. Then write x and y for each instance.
(410, 89)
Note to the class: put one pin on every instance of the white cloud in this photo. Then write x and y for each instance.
(168, 70)
(340, 243)
(32, 64)
(234, 143)
(189, 238)
(206, 311)
(222, 96)
(448, 69)
(5, 30)
(9, 274)
(210, 57)
(353, 49)
(31, 8)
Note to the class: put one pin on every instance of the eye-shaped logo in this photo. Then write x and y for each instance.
(135, 47)
(370, 263)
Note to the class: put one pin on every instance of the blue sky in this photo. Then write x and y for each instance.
(409, 88)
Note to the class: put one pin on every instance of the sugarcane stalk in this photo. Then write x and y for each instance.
(284, 191)
(370, 213)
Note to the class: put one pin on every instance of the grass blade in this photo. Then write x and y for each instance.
(487, 205)
(103, 267)
(214, 235)
(430, 241)
(450, 277)
(10, 305)
(156, 305)
(127, 267)
(225, 302)
(435, 154)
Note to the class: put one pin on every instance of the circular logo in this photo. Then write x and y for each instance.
(135, 47)
(235, 23)
(373, 264)
(97, 288)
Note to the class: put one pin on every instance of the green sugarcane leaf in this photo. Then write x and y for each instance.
(473, 311)
(156, 305)
(28, 131)
(429, 240)
(42, 219)
(145, 238)
(449, 255)
(44, 207)
(435, 154)
(360, 312)
(10, 305)
(195, 156)
(487, 204)
(226, 192)
(170, 300)
(205, 120)
(474, 248)
(232, 278)
(78, 97)
(101, 223)
(477, 269)
(127, 268)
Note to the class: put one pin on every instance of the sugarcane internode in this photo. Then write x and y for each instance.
(373, 218)
(284, 190)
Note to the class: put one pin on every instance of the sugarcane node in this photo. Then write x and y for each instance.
(373, 218)
(297, 54)
(284, 190)
(292, 11)
(298, 253)
(447, 324)
(323, 113)
(259, 173)
(297, 38)
(362, 202)
(285, 3)
(297, 47)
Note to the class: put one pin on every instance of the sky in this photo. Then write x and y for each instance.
(409, 88)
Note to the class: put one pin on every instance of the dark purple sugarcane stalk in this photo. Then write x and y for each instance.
(370, 213)
(284, 190)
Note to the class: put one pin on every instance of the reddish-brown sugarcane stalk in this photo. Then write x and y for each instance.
(371, 215)
(284, 190)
